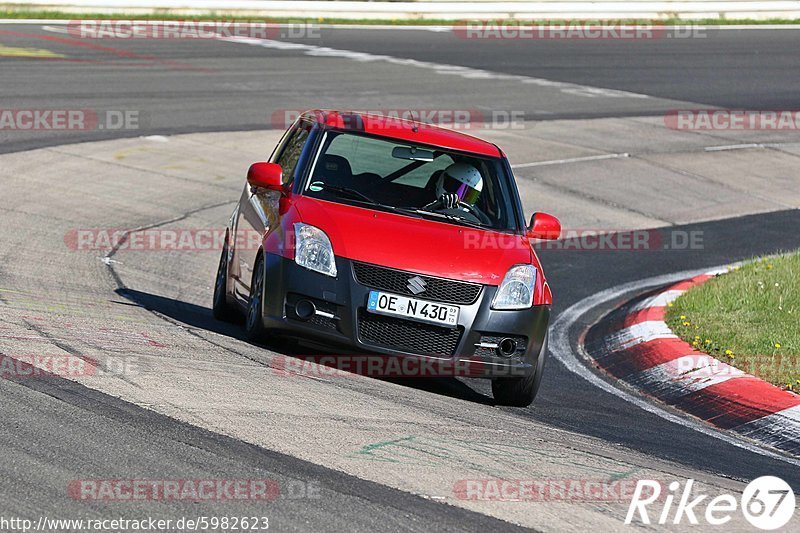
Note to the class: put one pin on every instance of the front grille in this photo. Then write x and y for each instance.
(396, 281)
(406, 335)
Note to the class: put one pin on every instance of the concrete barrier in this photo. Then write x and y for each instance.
(441, 10)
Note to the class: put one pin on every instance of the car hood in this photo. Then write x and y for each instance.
(416, 245)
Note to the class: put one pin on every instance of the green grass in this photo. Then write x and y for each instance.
(749, 317)
(24, 13)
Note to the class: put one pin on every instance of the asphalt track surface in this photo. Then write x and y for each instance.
(63, 430)
(181, 86)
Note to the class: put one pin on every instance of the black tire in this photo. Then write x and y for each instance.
(220, 307)
(520, 392)
(254, 320)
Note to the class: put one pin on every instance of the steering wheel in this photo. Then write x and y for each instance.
(475, 212)
(471, 209)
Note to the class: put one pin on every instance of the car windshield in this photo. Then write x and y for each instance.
(415, 180)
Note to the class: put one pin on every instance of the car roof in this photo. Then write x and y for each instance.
(406, 130)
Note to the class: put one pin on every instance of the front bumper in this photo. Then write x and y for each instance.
(341, 319)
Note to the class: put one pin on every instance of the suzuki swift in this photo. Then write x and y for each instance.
(391, 237)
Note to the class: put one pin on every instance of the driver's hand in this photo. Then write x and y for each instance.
(449, 200)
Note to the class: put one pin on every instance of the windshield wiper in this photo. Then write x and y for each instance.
(446, 216)
(347, 191)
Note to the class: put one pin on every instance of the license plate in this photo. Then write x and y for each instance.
(385, 303)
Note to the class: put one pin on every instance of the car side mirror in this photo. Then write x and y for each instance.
(266, 176)
(544, 226)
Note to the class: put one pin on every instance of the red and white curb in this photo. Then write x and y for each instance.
(635, 345)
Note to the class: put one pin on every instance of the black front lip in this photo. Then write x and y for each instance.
(344, 296)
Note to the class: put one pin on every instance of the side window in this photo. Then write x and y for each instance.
(292, 150)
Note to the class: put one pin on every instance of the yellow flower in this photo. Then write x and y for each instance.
(777, 345)
(769, 267)
(728, 352)
(697, 337)
(708, 341)
(683, 317)
(687, 323)
(670, 304)
(694, 343)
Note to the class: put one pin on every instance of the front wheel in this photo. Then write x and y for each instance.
(520, 392)
(254, 325)
(220, 307)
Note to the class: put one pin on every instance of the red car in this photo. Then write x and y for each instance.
(391, 237)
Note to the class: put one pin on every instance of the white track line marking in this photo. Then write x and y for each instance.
(439, 68)
(156, 138)
(571, 160)
(732, 147)
(55, 29)
(561, 350)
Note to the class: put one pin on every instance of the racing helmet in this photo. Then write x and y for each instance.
(463, 180)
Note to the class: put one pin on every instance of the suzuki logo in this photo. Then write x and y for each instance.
(416, 285)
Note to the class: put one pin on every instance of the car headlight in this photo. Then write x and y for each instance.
(313, 250)
(516, 291)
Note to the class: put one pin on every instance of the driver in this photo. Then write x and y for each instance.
(459, 186)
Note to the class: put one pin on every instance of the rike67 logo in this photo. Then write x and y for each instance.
(767, 503)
